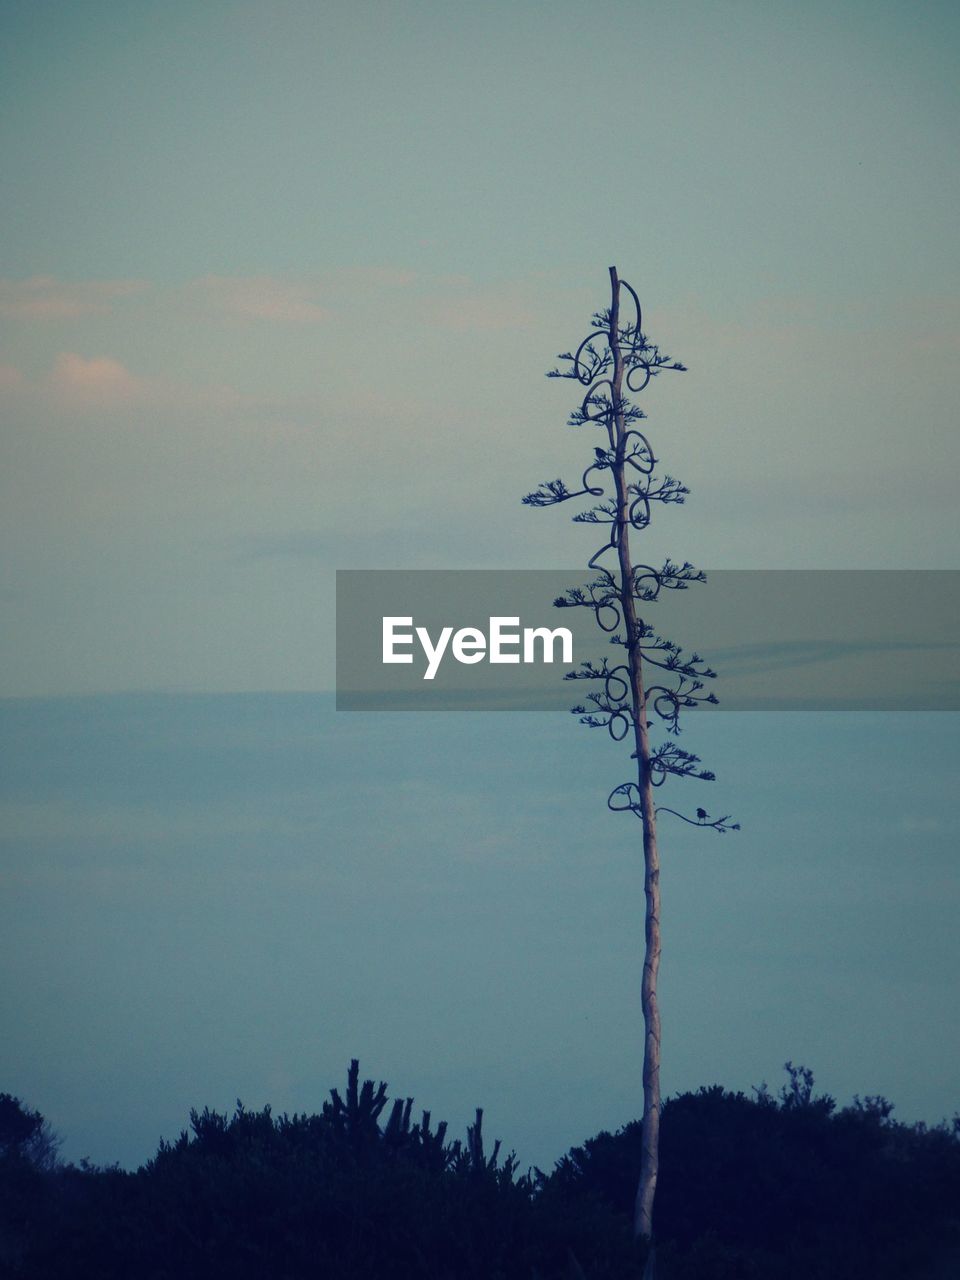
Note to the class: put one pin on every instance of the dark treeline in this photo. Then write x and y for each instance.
(779, 1186)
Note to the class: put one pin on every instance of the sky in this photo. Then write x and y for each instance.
(209, 897)
(278, 287)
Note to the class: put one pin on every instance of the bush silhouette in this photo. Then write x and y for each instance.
(773, 1187)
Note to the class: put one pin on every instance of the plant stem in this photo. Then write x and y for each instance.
(650, 1130)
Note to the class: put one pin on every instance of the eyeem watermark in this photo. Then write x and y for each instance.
(780, 640)
(506, 643)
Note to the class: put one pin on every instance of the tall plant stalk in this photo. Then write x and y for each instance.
(614, 360)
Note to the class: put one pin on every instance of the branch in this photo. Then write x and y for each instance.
(722, 825)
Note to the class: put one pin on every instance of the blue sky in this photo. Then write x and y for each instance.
(278, 287)
(259, 262)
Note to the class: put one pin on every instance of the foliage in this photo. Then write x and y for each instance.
(772, 1187)
(656, 681)
(788, 1187)
(25, 1135)
(340, 1194)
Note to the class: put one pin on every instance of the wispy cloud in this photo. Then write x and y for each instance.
(779, 655)
(11, 379)
(460, 305)
(95, 382)
(47, 298)
(268, 298)
(375, 277)
(78, 383)
(264, 298)
(454, 302)
(922, 824)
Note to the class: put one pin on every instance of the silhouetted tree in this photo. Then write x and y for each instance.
(769, 1187)
(787, 1186)
(615, 359)
(26, 1135)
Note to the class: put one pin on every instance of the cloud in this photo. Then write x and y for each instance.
(47, 298)
(98, 382)
(78, 383)
(780, 655)
(378, 277)
(258, 298)
(466, 308)
(245, 298)
(11, 379)
(922, 824)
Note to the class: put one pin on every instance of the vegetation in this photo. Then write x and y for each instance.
(655, 681)
(772, 1187)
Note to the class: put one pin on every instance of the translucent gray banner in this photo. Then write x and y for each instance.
(804, 640)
